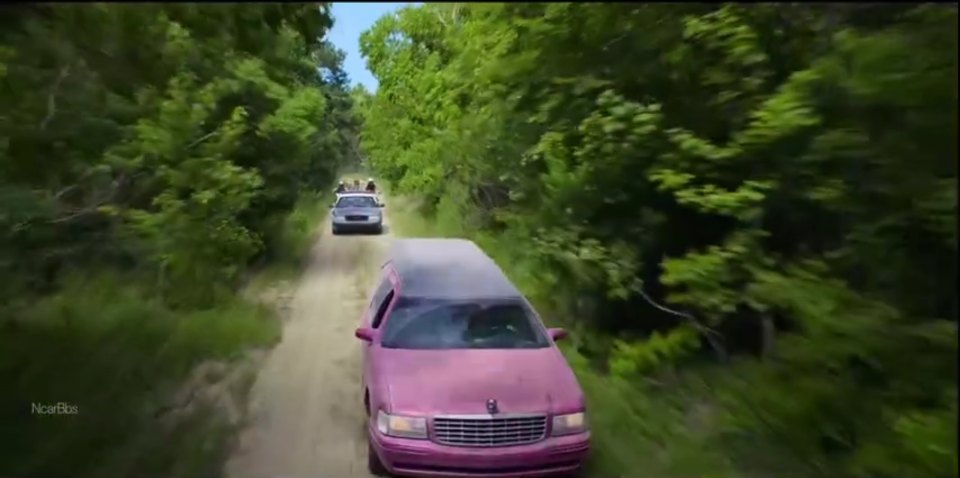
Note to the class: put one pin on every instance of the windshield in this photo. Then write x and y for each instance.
(357, 201)
(418, 323)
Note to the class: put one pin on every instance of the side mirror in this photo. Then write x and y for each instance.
(365, 334)
(383, 205)
(557, 334)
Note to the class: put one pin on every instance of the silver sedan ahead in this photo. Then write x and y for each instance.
(356, 211)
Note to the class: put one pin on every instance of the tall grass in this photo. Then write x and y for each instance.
(111, 350)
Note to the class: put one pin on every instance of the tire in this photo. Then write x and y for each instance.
(374, 466)
(334, 230)
(380, 229)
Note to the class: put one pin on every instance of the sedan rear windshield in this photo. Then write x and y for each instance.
(357, 201)
(420, 323)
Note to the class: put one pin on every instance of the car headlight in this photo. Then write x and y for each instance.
(400, 426)
(569, 424)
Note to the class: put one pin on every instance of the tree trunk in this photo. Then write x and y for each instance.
(768, 337)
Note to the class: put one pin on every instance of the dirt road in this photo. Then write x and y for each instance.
(305, 417)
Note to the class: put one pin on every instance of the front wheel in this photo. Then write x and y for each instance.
(374, 465)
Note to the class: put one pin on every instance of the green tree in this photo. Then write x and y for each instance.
(167, 138)
(779, 179)
(148, 154)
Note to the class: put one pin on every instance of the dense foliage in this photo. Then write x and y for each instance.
(149, 154)
(772, 186)
(168, 138)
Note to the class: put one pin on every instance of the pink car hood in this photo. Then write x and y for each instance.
(428, 382)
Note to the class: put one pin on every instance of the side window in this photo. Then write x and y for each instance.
(382, 290)
(380, 301)
(377, 319)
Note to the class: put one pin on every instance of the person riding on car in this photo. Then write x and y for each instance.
(342, 187)
(371, 186)
(356, 184)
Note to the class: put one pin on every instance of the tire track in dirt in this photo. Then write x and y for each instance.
(305, 414)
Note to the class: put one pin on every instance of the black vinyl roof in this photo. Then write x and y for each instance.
(448, 269)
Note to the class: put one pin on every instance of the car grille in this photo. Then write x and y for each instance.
(488, 432)
(356, 218)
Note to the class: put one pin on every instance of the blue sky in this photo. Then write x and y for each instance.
(350, 20)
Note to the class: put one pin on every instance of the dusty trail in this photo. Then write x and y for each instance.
(305, 417)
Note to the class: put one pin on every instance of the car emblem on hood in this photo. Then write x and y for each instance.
(492, 407)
